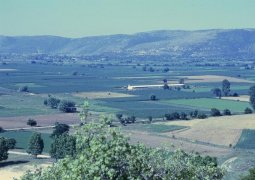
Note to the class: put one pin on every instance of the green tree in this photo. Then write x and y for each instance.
(3, 149)
(60, 129)
(1, 129)
(52, 102)
(67, 106)
(153, 97)
(252, 97)
(35, 145)
(31, 122)
(150, 119)
(225, 87)
(227, 112)
(215, 112)
(62, 146)
(183, 116)
(217, 92)
(105, 153)
(181, 81)
(248, 111)
(11, 142)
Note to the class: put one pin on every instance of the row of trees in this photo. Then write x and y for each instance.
(184, 116)
(125, 120)
(62, 145)
(62, 105)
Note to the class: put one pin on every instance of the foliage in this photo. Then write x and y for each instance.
(23, 137)
(251, 175)
(3, 149)
(67, 106)
(31, 122)
(227, 112)
(11, 143)
(217, 92)
(104, 153)
(35, 145)
(215, 112)
(172, 116)
(52, 102)
(153, 97)
(62, 146)
(183, 116)
(252, 97)
(23, 89)
(201, 116)
(1, 129)
(150, 119)
(119, 116)
(166, 86)
(194, 114)
(225, 87)
(60, 129)
(248, 111)
(181, 81)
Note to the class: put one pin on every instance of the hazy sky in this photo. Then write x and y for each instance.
(78, 18)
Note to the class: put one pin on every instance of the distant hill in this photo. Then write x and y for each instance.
(202, 43)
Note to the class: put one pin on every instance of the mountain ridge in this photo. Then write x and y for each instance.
(227, 43)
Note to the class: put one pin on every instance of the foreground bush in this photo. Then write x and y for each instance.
(104, 153)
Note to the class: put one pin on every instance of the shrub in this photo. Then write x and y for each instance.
(23, 89)
(31, 122)
(150, 119)
(248, 111)
(60, 129)
(194, 114)
(52, 102)
(172, 116)
(67, 106)
(215, 112)
(1, 130)
(235, 94)
(11, 142)
(201, 116)
(227, 112)
(153, 97)
(183, 116)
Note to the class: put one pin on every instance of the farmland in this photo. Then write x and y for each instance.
(104, 86)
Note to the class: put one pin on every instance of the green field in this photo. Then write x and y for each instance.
(153, 128)
(22, 105)
(247, 139)
(22, 138)
(208, 103)
(209, 89)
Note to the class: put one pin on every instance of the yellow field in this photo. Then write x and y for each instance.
(216, 130)
(101, 95)
(213, 78)
(244, 98)
(16, 171)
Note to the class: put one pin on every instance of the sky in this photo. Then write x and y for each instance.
(80, 18)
